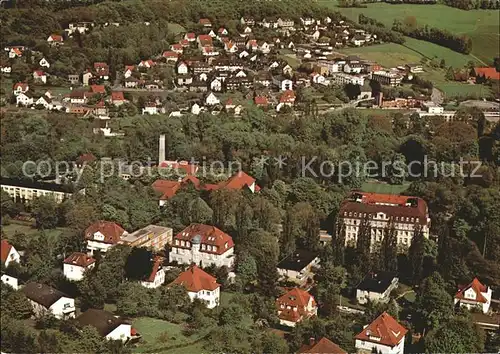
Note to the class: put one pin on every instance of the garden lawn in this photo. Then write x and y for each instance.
(480, 25)
(376, 187)
(52, 234)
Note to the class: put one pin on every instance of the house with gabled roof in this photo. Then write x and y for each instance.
(295, 306)
(170, 56)
(199, 285)
(177, 47)
(157, 276)
(102, 235)
(384, 335)
(47, 300)
(20, 87)
(76, 264)
(117, 98)
(8, 253)
(474, 295)
(203, 245)
(190, 37)
(321, 346)
(108, 326)
(55, 39)
(205, 22)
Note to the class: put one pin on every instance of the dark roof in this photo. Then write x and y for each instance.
(103, 321)
(298, 260)
(376, 282)
(28, 183)
(42, 294)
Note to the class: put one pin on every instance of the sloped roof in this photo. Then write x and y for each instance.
(297, 299)
(104, 321)
(323, 346)
(5, 248)
(156, 267)
(112, 231)
(195, 279)
(208, 235)
(384, 330)
(478, 288)
(79, 259)
(488, 72)
(42, 294)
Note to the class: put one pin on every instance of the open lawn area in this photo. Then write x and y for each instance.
(12, 229)
(176, 28)
(377, 187)
(481, 25)
(160, 336)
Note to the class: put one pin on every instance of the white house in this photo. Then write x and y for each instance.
(211, 99)
(298, 266)
(376, 287)
(8, 253)
(199, 285)
(86, 77)
(157, 276)
(295, 306)
(55, 39)
(283, 83)
(24, 99)
(44, 63)
(6, 69)
(102, 235)
(384, 335)
(150, 108)
(203, 245)
(108, 326)
(10, 280)
(196, 109)
(182, 68)
(44, 101)
(264, 47)
(76, 264)
(45, 299)
(216, 85)
(20, 87)
(474, 295)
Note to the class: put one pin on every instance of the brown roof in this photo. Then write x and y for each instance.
(478, 288)
(323, 346)
(79, 259)
(195, 279)
(112, 231)
(42, 294)
(5, 248)
(384, 330)
(156, 267)
(104, 321)
(295, 298)
(487, 72)
(207, 235)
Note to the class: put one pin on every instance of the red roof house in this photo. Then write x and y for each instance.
(79, 259)
(323, 346)
(102, 235)
(191, 37)
(205, 22)
(295, 306)
(261, 100)
(199, 285)
(157, 276)
(383, 334)
(117, 98)
(474, 295)
(100, 89)
(487, 72)
(55, 38)
(8, 253)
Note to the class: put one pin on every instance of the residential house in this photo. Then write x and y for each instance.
(24, 99)
(252, 45)
(283, 83)
(74, 79)
(475, 295)
(358, 40)
(76, 265)
(298, 266)
(157, 276)
(20, 87)
(264, 47)
(205, 22)
(249, 21)
(47, 300)
(199, 285)
(87, 75)
(131, 82)
(230, 47)
(389, 78)
(286, 99)
(44, 101)
(102, 235)
(15, 52)
(295, 306)
(261, 101)
(243, 54)
(404, 212)
(185, 79)
(24, 191)
(55, 39)
(5, 69)
(222, 32)
(287, 22)
(177, 48)
(353, 68)
(40, 76)
(8, 253)
(209, 51)
(203, 245)
(11, 280)
(44, 63)
(79, 96)
(322, 346)
(384, 335)
(414, 68)
(216, 85)
(487, 72)
(307, 21)
(376, 287)
(150, 108)
(211, 99)
(170, 56)
(146, 64)
(101, 70)
(190, 37)
(182, 68)
(108, 326)
(117, 98)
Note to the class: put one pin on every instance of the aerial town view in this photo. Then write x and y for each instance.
(250, 176)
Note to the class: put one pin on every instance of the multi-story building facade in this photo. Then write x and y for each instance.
(384, 335)
(404, 213)
(344, 79)
(199, 285)
(387, 78)
(295, 306)
(151, 236)
(24, 191)
(203, 245)
(474, 296)
(76, 264)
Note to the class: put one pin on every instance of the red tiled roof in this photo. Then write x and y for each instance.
(156, 267)
(184, 42)
(221, 30)
(261, 100)
(117, 96)
(298, 300)
(323, 346)
(238, 181)
(384, 330)
(210, 235)
(204, 37)
(112, 231)
(5, 248)
(176, 46)
(97, 89)
(204, 21)
(185, 166)
(56, 38)
(85, 158)
(39, 73)
(195, 279)
(190, 35)
(129, 67)
(170, 54)
(100, 65)
(167, 188)
(22, 85)
(17, 51)
(488, 72)
(287, 96)
(478, 288)
(79, 259)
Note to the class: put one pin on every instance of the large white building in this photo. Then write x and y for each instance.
(108, 326)
(76, 264)
(344, 79)
(474, 295)
(203, 245)
(47, 300)
(389, 78)
(405, 213)
(384, 335)
(24, 191)
(199, 285)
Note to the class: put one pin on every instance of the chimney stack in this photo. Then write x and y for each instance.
(161, 149)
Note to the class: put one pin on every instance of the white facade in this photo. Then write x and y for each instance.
(212, 298)
(198, 257)
(31, 193)
(13, 256)
(75, 272)
(10, 281)
(24, 100)
(216, 85)
(470, 300)
(182, 69)
(157, 282)
(44, 63)
(344, 79)
(62, 308)
(150, 110)
(93, 246)
(363, 296)
(123, 332)
(212, 99)
(367, 347)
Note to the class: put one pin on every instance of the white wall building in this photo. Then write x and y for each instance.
(108, 326)
(295, 306)
(103, 235)
(8, 253)
(384, 335)
(45, 299)
(200, 285)
(76, 264)
(474, 295)
(157, 276)
(376, 287)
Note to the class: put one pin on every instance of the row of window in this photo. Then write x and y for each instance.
(397, 218)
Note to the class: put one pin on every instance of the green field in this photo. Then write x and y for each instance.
(12, 229)
(176, 28)
(481, 25)
(376, 187)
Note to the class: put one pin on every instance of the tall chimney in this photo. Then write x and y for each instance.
(161, 149)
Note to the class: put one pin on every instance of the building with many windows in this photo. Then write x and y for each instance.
(25, 191)
(199, 285)
(388, 78)
(406, 214)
